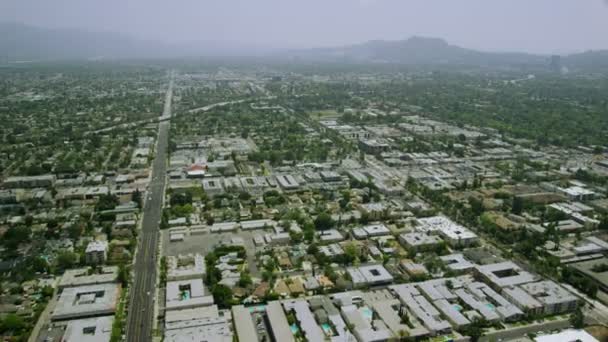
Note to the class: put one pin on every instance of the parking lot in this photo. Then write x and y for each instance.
(205, 243)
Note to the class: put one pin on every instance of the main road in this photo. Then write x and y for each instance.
(141, 304)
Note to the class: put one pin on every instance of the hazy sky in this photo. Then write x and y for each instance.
(547, 26)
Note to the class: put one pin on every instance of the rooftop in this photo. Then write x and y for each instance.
(85, 301)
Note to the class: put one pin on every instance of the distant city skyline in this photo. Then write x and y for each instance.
(539, 26)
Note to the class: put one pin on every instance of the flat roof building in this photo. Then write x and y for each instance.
(43, 181)
(370, 231)
(504, 274)
(86, 301)
(186, 294)
(554, 298)
(369, 275)
(453, 233)
(419, 241)
(258, 224)
(331, 235)
(96, 252)
(457, 262)
(287, 182)
(213, 186)
(183, 267)
(569, 335)
(245, 329)
(201, 324)
(277, 320)
(417, 304)
(365, 328)
(523, 300)
(309, 327)
(98, 329)
(81, 277)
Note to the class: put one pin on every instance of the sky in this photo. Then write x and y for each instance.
(537, 26)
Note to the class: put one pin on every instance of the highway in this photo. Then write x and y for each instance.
(141, 302)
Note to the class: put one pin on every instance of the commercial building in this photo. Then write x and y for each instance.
(578, 193)
(213, 186)
(455, 234)
(373, 146)
(200, 324)
(82, 277)
(86, 301)
(417, 241)
(258, 224)
(371, 231)
(98, 329)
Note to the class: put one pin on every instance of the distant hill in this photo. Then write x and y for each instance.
(435, 51)
(23, 42)
(415, 50)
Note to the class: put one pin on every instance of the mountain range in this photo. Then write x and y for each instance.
(23, 42)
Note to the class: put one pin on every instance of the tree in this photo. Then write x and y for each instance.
(603, 223)
(136, 197)
(475, 329)
(14, 236)
(245, 279)
(12, 323)
(324, 221)
(517, 205)
(351, 253)
(47, 291)
(222, 295)
(123, 275)
(577, 319)
(476, 206)
(75, 231)
(66, 260)
(106, 202)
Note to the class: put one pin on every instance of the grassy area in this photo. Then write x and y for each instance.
(325, 114)
(119, 317)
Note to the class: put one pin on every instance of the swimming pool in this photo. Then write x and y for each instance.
(327, 329)
(294, 328)
(259, 308)
(368, 313)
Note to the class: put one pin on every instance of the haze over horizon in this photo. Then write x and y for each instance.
(540, 26)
